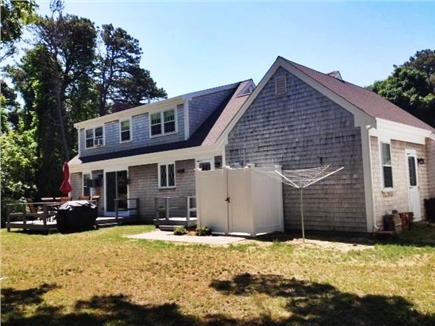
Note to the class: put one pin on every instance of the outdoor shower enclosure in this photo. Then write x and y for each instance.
(239, 201)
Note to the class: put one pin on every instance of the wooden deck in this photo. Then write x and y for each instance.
(51, 225)
(179, 206)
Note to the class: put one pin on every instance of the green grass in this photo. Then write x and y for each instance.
(102, 278)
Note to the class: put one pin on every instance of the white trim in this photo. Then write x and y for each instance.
(166, 164)
(106, 212)
(398, 131)
(130, 121)
(162, 122)
(412, 152)
(93, 137)
(150, 158)
(380, 142)
(205, 160)
(368, 179)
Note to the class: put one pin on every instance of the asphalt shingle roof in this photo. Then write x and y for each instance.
(367, 101)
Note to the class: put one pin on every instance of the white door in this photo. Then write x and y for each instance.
(414, 191)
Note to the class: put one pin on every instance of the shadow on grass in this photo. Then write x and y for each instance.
(27, 307)
(323, 304)
(307, 303)
(420, 235)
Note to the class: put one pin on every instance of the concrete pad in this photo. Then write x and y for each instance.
(169, 236)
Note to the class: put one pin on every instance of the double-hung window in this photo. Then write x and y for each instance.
(125, 130)
(167, 175)
(163, 122)
(94, 137)
(387, 169)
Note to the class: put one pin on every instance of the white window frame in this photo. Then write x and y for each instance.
(130, 121)
(412, 152)
(93, 137)
(162, 123)
(167, 175)
(206, 160)
(381, 142)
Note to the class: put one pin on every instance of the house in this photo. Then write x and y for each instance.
(152, 150)
(300, 118)
(296, 117)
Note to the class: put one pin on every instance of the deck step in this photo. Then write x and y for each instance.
(167, 227)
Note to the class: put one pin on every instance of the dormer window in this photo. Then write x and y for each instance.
(125, 130)
(94, 137)
(163, 123)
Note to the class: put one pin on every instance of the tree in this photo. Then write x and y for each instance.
(70, 44)
(18, 164)
(14, 15)
(137, 88)
(58, 85)
(9, 107)
(33, 79)
(411, 86)
(119, 76)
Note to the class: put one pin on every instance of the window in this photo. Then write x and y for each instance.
(94, 137)
(86, 184)
(412, 171)
(205, 165)
(387, 169)
(125, 130)
(166, 175)
(163, 123)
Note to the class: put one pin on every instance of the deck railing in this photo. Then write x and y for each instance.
(129, 208)
(27, 211)
(179, 207)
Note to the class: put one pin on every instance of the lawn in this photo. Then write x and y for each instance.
(101, 277)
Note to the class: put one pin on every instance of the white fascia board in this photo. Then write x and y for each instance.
(360, 117)
(125, 114)
(150, 158)
(388, 130)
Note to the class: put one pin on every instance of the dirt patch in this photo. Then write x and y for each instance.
(332, 245)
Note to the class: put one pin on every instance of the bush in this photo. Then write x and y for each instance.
(180, 230)
(203, 230)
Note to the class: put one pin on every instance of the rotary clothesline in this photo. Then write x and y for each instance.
(301, 179)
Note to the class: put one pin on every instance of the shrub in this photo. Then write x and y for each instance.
(180, 230)
(203, 230)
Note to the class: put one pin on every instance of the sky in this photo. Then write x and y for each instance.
(197, 45)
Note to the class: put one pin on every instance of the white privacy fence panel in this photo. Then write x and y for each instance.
(239, 201)
(267, 202)
(212, 205)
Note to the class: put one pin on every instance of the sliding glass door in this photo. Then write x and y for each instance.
(116, 188)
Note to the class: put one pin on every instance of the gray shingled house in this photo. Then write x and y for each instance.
(296, 117)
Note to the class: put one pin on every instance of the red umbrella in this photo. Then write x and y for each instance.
(65, 188)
